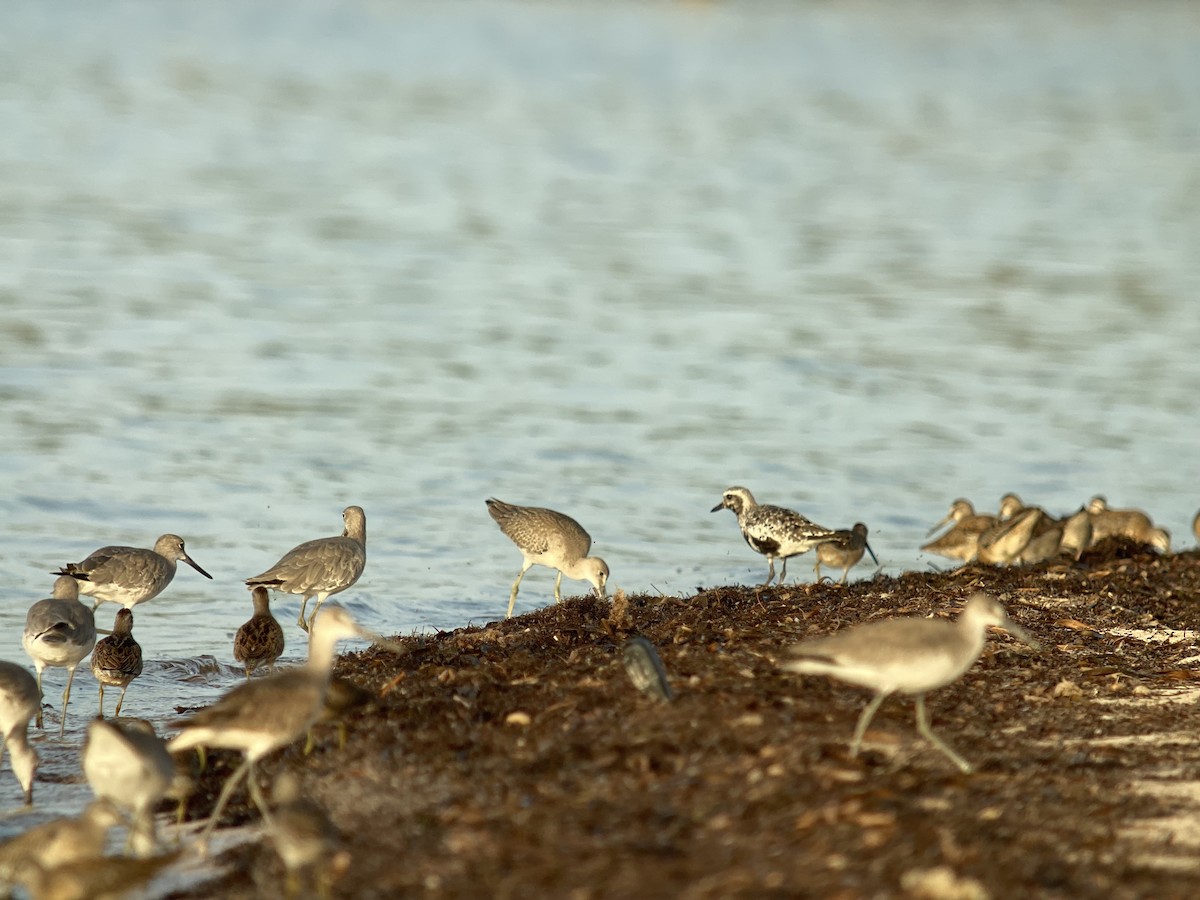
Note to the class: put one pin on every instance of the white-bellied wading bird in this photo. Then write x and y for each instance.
(59, 632)
(20, 701)
(321, 567)
(551, 539)
(117, 659)
(911, 655)
(259, 642)
(128, 576)
(773, 531)
(265, 714)
(845, 551)
(128, 765)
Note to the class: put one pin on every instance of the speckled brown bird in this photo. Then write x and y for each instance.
(117, 659)
(259, 642)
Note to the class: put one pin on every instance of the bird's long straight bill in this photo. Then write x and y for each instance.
(1020, 634)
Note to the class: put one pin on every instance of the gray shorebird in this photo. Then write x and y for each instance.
(911, 655)
(128, 765)
(20, 701)
(259, 642)
(551, 539)
(306, 840)
(845, 551)
(321, 567)
(58, 842)
(961, 541)
(773, 531)
(59, 632)
(117, 659)
(260, 716)
(130, 575)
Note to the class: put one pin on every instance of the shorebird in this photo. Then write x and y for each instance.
(773, 531)
(117, 659)
(1003, 542)
(259, 642)
(96, 877)
(128, 765)
(321, 567)
(59, 631)
(961, 541)
(341, 699)
(56, 843)
(307, 842)
(912, 655)
(551, 539)
(1052, 537)
(20, 701)
(130, 575)
(260, 716)
(844, 551)
(1128, 523)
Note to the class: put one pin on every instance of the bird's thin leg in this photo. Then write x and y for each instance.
(783, 574)
(102, 699)
(223, 798)
(320, 599)
(863, 721)
(927, 732)
(41, 667)
(817, 570)
(303, 606)
(770, 571)
(120, 700)
(259, 800)
(512, 597)
(62, 725)
(558, 588)
(845, 574)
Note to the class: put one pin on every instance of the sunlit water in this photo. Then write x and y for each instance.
(261, 261)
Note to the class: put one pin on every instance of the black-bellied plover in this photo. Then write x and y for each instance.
(321, 567)
(117, 659)
(59, 632)
(259, 642)
(773, 531)
(130, 575)
(845, 551)
(911, 655)
(551, 539)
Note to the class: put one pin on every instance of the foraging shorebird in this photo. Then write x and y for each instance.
(56, 843)
(59, 631)
(259, 642)
(912, 655)
(845, 551)
(128, 765)
(307, 842)
(260, 716)
(20, 701)
(1053, 537)
(117, 659)
(321, 567)
(1003, 542)
(961, 541)
(551, 539)
(130, 575)
(773, 531)
(1127, 523)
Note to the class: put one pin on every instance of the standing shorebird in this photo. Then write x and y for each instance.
(845, 551)
(961, 541)
(912, 655)
(260, 716)
(128, 765)
(321, 567)
(773, 531)
(117, 659)
(259, 642)
(130, 575)
(59, 631)
(551, 539)
(20, 701)
(1128, 523)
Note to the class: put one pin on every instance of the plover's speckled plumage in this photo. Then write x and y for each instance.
(130, 575)
(551, 539)
(322, 567)
(844, 551)
(117, 659)
(59, 632)
(259, 642)
(912, 655)
(773, 531)
(19, 702)
(961, 541)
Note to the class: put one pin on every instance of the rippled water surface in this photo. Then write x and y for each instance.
(259, 261)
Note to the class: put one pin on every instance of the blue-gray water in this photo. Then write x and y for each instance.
(259, 261)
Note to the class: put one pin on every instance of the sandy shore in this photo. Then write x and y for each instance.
(517, 759)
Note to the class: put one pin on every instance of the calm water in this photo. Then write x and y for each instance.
(261, 261)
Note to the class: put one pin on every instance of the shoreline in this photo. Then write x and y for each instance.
(518, 758)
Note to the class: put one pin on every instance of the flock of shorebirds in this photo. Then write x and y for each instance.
(130, 769)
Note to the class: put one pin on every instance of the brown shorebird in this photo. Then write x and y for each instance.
(321, 567)
(912, 655)
(844, 551)
(59, 632)
(773, 531)
(130, 575)
(961, 541)
(551, 539)
(20, 701)
(259, 642)
(1128, 523)
(117, 659)
(56, 843)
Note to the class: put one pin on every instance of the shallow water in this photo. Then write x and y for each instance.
(259, 262)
